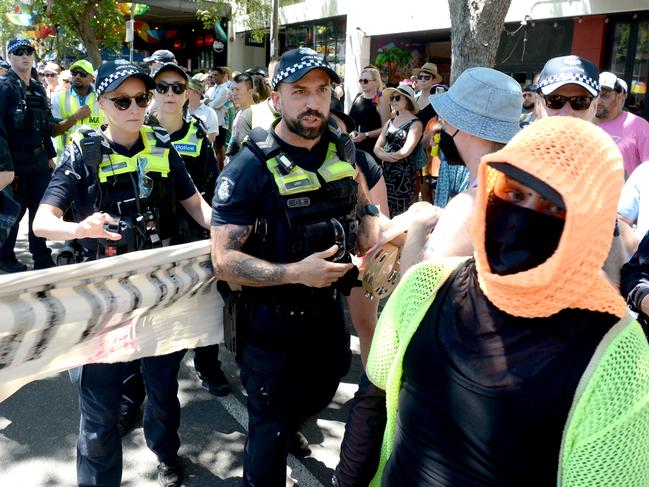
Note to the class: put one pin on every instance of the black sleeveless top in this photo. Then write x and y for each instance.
(485, 395)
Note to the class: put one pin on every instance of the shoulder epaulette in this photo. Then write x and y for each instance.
(161, 135)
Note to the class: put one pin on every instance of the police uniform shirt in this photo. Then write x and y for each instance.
(368, 166)
(245, 190)
(9, 98)
(73, 183)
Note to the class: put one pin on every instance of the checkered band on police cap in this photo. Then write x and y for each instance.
(565, 70)
(112, 74)
(294, 64)
(15, 44)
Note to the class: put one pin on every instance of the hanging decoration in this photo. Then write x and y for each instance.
(140, 9)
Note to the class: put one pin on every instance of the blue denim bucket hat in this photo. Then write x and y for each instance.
(482, 102)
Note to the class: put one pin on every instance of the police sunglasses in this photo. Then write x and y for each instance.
(23, 51)
(178, 88)
(556, 102)
(124, 102)
(83, 74)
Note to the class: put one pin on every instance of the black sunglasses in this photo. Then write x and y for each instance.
(83, 74)
(50, 75)
(177, 87)
(23, 51)
(425, 77)
(395, 98)
(124, 102)
(364, 81)
(556, 102)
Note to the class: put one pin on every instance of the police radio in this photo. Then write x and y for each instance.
(90, 147)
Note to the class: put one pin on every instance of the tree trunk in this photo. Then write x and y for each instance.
(87, 33)
(476, 26)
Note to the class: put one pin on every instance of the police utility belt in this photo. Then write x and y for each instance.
(135, 218)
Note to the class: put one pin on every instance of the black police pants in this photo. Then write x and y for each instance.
(288, 378)
(99, 447)
(28, 191)
(206, 363)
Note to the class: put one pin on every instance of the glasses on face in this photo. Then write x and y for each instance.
(23, 51)
(83, 74)
(364, 80)
(424, 77)
(177, 87)
(124, 102)
(50, 75)
(395, 98)
(556, 102)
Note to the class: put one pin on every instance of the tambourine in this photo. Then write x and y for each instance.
(381, 274)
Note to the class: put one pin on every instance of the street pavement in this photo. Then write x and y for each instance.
(39, 425)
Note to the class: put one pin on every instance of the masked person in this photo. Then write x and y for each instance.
(521, 365)
(286, 210)
(122, 177)
(190, 141)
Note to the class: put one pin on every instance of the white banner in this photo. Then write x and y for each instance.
(117, 309)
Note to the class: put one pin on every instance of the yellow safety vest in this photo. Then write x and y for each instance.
(69, 105)
(190, 145)
(154, 158)
(300, 180)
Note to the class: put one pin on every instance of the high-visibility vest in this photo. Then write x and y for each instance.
(68, 105)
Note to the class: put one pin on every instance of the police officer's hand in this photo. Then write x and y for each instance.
(316, 271)
(82, 112)
(93, 227)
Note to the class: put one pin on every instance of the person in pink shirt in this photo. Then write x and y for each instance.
(630, 132)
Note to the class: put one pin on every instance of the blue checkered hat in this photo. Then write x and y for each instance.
(294, 64)
(569, 70)
(14, 44)
(112, 74)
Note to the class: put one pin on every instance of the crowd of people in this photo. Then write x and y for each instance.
(507, 354)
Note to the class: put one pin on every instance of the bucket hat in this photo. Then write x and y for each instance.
(404, 90)
(482, 102)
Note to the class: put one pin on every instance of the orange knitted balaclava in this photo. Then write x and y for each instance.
(582, 163)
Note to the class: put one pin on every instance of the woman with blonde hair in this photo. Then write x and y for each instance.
(366, 110)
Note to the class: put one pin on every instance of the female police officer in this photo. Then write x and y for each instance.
(123, 171)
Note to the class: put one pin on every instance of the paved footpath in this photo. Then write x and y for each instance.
(39, 424)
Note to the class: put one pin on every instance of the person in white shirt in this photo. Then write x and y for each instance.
(196, 107)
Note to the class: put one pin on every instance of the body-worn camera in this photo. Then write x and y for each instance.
(19, 115)
(138, 231)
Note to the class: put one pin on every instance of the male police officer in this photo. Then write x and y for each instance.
(129, 171)
(284, 224)
(25, 126)
(77, 105)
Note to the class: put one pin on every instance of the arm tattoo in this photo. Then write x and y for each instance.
(259, 271)
(231, 264)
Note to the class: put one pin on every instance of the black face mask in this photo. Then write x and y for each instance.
(518, 239)
(449, 149)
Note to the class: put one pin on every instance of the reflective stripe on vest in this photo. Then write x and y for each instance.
(68, 105)
(156, 159)
(301, 181)
(190, 145)
(262, 115)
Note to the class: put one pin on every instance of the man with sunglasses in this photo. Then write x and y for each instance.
(77, 105)
(568, 86)
(26, 124)
(120, 179)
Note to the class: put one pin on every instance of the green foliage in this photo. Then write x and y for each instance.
(254, 14)
(106, 21)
